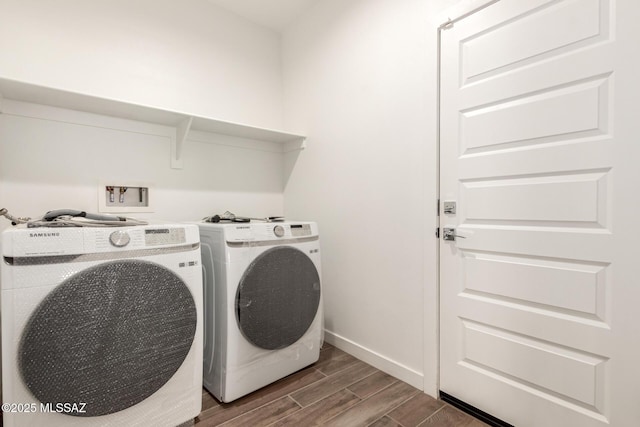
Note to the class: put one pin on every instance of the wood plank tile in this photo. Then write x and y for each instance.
(337, 361)
(333, 383)
(325, 350)
(208, 401)
(226, 411)
(265, 415)
(330, 384)
(385, 422)
(338, 390)
(449, 416)
(320, 411)
(415, 410)
(372, 384)
(371, 409)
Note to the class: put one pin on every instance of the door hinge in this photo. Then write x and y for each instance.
(438, 208)
(437, 232)
(447, 25)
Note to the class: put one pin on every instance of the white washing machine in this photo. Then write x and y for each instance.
(263, 303)
(101, 326)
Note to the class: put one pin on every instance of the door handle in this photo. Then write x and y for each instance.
(449, 234)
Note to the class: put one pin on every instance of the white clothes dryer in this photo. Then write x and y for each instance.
(263, 303)
(101, 326)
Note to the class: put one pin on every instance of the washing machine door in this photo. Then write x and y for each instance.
(109, 336)
(278, 298)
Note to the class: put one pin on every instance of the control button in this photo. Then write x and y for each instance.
(119, 238)
(278, 230)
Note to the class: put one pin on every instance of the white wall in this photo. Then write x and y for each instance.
(179, 55)
(52, 164)
(183, 56)
(360, 80)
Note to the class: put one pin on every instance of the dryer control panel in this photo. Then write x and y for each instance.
(253, 232)
(296, 230)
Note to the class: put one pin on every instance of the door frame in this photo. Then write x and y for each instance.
(431, 294)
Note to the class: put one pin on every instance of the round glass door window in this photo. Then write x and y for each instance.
(278, 298)
(109, 336)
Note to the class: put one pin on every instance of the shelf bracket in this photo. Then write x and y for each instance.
(177, 143)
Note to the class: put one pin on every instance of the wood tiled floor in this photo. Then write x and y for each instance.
(338, 390)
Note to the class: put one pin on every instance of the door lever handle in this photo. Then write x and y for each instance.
(449, 234)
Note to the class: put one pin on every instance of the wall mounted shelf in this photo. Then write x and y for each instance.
(183, 123)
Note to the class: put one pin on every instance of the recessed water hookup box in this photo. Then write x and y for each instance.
(124, 197)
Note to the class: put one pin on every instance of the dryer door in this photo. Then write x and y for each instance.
(278, 298)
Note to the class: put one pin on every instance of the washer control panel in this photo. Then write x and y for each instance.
(298, 230)
(55, 241)
(149, 237)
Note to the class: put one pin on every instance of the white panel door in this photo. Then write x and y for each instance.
(539, 146)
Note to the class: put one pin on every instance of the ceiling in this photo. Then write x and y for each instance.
(274, 14)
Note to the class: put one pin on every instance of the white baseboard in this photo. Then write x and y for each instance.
(376, 360)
